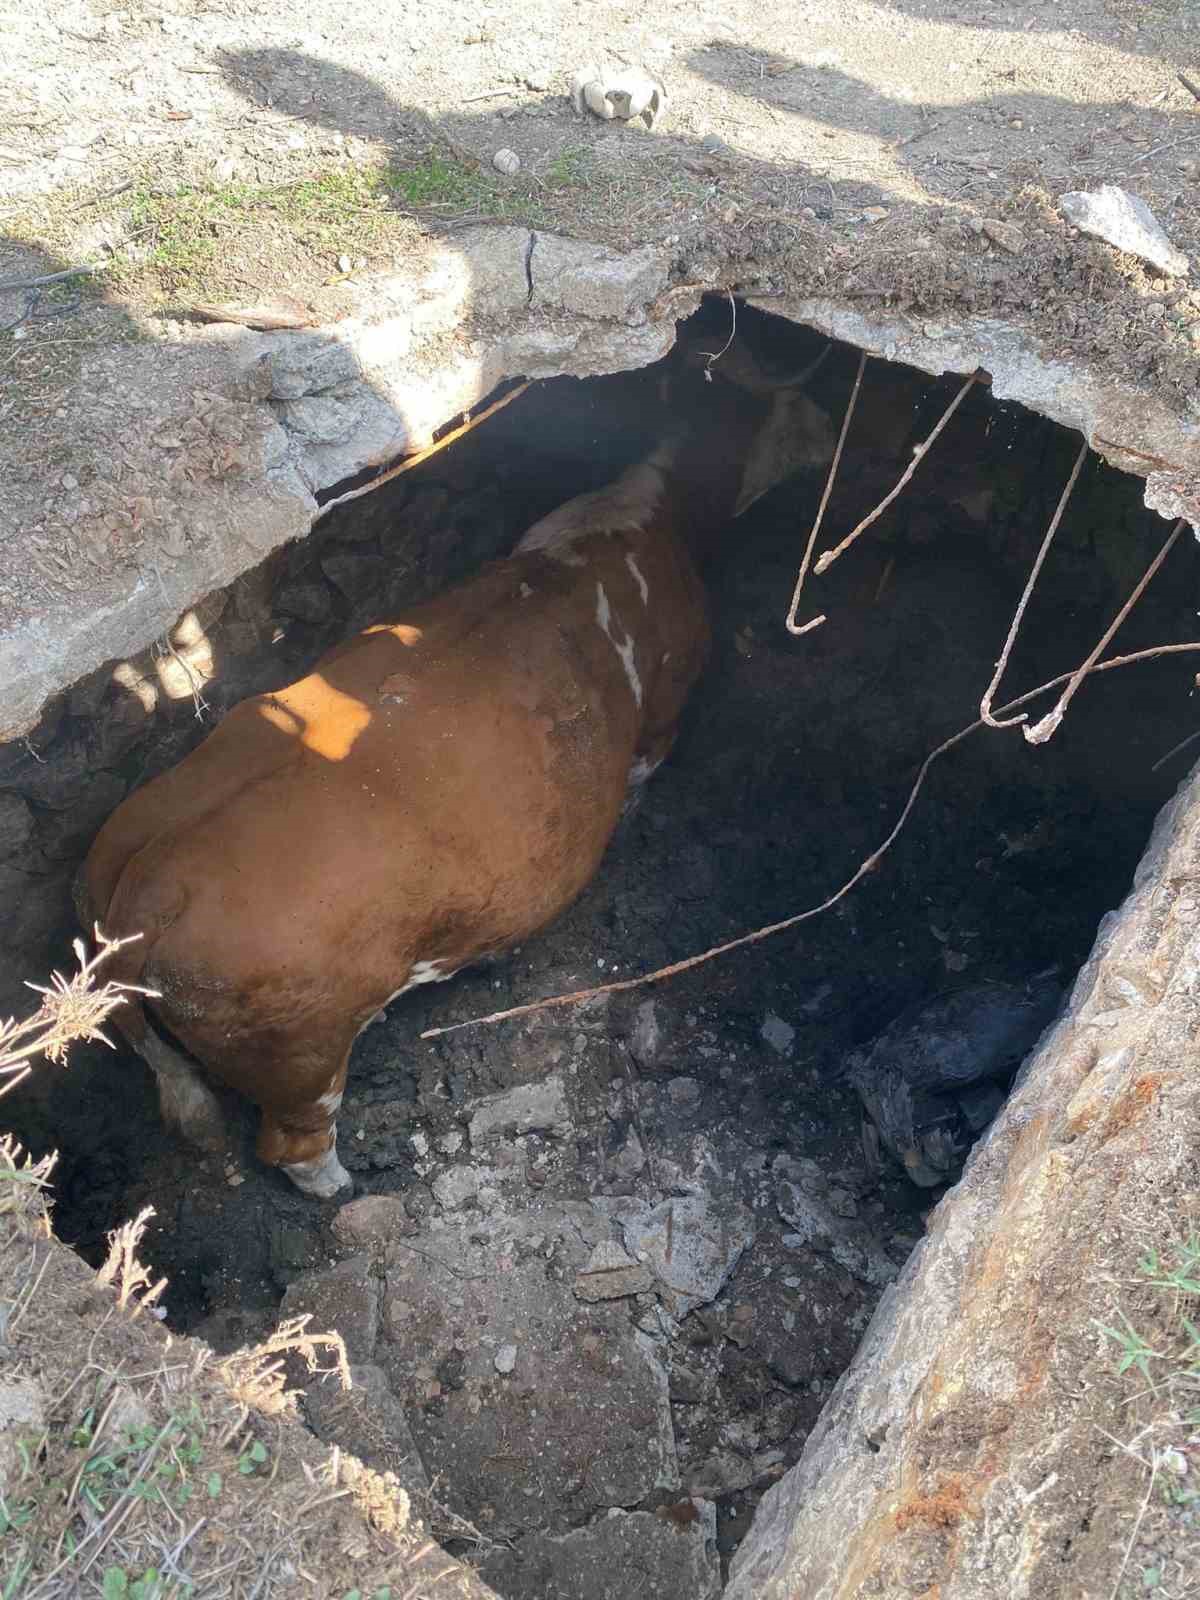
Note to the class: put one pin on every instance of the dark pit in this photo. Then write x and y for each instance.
(715, 1106)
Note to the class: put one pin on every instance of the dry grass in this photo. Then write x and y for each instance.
(71, 1009)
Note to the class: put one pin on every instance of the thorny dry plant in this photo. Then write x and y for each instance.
(125, 1272)
(257, 1376)
(71, 1009)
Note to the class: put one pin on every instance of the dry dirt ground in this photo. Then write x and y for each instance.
(244, 153)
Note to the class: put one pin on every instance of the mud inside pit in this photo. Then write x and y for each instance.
(703, 1125)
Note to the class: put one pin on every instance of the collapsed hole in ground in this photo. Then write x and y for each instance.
(709, 1120)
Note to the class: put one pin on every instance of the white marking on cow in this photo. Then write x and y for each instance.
(641, 770)
(526, 591)
(565, 556)
(330, 1104)
(321, 1177)
(422, 972)
(641, 582)
(605, 617)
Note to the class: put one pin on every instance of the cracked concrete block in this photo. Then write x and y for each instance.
(323, 418)
(304, 364)
(690, 1244)
(529, 1108)
(670, 1554)
(591, 281)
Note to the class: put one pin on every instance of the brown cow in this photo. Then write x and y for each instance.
(433, 792)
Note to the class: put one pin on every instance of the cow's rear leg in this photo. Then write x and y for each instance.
(185, 1100)
(301, 1137)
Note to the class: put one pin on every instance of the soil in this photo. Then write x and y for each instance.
(239, 153)
(794, 761)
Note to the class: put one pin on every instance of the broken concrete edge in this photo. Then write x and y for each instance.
(1103, 1109)
(235, 433)
(1129, 429)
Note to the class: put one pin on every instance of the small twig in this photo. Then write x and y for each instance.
(99, 199)
(815, 622)
(1188, 85)
(51, 277)
(452, 143)
(1142, 455)
(922, 450)
(715, 355)
(1045, 729)
(1175, 749)
(1137, 1523)
(492, 94)
(412, 461)
(985, 705)
(921, 133)
(1171, 144)
(860, 872)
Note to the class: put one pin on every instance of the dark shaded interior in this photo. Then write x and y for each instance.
(795, 759)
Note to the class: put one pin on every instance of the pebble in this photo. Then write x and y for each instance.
(507, 161)
(506, 1358)
(780, 1035)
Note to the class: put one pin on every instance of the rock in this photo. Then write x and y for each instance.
(907, 1077)
(343, 1298)
(1126, 222)
(721, 1475)
(646, 1038)
(507, 161)
(324, 419)
(670, 1554)
(505, 1359)
(529, 1108)
(780, 1035)
(849, 1243)
(611, 1274)
(980, 1105)
(449, 1144)
(584, 1418)
(370, 1218)
(64, 835)
(367, 1420)
(683, 1093)
(22, 1420)
(630, 1159)
(1006, 234)
(456, 1186)
(16, 824)
(690, 1244)
(304, 364)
